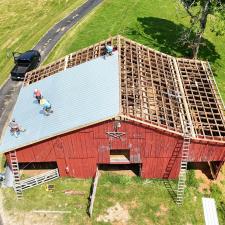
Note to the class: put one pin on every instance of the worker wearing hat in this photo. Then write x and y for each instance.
(108, 50)
(15, 129)
(37, 95)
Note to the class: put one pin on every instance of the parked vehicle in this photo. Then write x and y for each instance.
(24, 62)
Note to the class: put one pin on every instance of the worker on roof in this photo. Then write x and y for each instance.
(37, 95)
(47, 108)
(108, 50)
(15, 129)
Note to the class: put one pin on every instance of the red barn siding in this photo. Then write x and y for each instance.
(62, 167)
(156, 167)
(160, 149)
(203, 152)
(103, 154)
(78, 153)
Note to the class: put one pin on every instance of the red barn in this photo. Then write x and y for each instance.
(136, 107)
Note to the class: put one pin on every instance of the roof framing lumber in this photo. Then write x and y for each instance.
(156, 88)
(184, 99)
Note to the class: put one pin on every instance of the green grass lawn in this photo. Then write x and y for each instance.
(156, 24)
(23, 23)
(147, 201)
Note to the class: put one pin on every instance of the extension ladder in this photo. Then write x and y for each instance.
(183, 165)
(15, 171)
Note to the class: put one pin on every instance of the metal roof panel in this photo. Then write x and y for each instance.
(81, 95)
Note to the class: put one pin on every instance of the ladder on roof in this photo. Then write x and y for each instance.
(16, 174)
(183, 165)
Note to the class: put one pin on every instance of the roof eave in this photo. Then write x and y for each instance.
(58, 134)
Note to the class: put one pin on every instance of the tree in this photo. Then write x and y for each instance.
(199, 10)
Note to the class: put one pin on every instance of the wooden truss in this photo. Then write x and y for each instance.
(156, 88)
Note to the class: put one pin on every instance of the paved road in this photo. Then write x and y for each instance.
(10, 90)
(46, 44)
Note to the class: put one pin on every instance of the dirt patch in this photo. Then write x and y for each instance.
(31, 218)
(148, 221)
(162, 210)
(133, 205)
(116, 215)
(27, 218)
(204, 186)
(220, 181)
(221, 175)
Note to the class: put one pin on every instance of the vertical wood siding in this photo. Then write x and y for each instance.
(78, 153)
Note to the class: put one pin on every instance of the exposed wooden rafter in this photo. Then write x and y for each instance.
(154, 86)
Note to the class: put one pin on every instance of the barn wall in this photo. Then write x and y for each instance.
(77, 153)
(162, 155)
(200, 151)
(158, 151)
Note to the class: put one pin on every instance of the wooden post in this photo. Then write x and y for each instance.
(92, 196)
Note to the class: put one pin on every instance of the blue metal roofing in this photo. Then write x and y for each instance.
(80, 96)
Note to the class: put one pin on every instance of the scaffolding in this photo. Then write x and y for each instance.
(153, 85)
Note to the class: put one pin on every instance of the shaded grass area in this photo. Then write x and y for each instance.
(157, 24)
(147, 201)
(23, 23)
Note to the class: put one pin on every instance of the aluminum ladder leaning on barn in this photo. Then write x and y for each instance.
(185, 149)
(183, 165)
(16, 175)
(187, 130)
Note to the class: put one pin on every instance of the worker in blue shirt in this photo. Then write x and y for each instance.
(108, 50)
(47, 108)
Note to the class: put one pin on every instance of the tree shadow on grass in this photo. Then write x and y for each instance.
(164, 35)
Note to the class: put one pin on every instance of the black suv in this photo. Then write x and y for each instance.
(24, 62)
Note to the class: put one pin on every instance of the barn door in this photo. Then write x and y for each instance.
(103, 154)
(135, 154)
